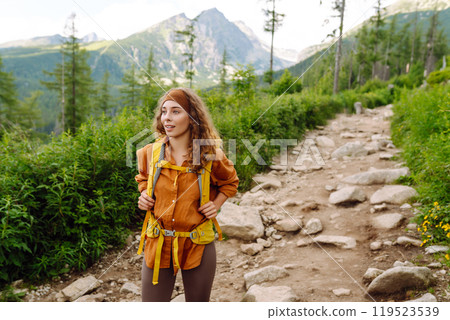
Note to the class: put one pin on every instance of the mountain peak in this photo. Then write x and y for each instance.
(212, 13)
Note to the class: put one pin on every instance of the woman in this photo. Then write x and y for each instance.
(181, 117)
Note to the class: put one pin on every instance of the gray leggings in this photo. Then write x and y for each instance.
(197, 281)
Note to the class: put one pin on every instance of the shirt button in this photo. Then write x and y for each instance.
(173, 219)
(173, 201)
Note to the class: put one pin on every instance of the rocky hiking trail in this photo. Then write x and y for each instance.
(335, 231)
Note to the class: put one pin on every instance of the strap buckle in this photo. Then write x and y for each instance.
(193, 235)
(169, 233)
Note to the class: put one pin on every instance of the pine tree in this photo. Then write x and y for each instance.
(273, 22)
(75, 88)
(131, 88)
(376, 36)
(188, 36)
(223, 73)
(104, 99)
(150, 90)
(244, 84)
(8, 96)
(436, 43)
(362, 54)
(390, 41)
(29, 114)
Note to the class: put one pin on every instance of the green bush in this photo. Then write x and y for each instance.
(439, 76)
(63, 203)
(421, 127)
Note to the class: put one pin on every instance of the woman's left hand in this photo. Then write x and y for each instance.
(209, 210)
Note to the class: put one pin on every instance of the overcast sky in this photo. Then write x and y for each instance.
(304, 23)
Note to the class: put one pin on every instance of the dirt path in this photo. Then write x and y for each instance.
(314, 271)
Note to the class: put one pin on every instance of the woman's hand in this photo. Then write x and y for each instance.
(145, 201)
(209, 210)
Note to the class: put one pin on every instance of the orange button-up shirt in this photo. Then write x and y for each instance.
(177, 197)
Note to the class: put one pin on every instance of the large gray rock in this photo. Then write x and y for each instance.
(387, 221)
(258, 293)
(394, 194)
(269, 273)
(80, 287)
(325, 142)
(400, 278)
(340, 241)
(347, 195)
(313, 226)
(289, 224)
(353, 149)
(243, 222)
(379, 176)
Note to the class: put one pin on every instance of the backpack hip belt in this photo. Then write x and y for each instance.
(202, 234)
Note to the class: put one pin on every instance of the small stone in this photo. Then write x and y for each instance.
(436, 249)
(313, 226)
(304, 242)
(387, 243)
(427, 297)
(385, 156)
(403, 264)
(408, 241)
(376, 245)
(289, 224)
(130, 287)
(405, 206)
(341, 292)
(435, 265)
(276, 236)
(380, 207)
(264, 243)
(252, 248)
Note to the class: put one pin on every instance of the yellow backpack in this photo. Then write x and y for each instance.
(202, 234)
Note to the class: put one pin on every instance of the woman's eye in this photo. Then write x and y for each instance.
(176, 111)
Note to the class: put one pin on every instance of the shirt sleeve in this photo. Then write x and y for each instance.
(223, 174)
(142, 159)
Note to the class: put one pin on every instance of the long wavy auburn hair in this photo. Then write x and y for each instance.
(202, 128)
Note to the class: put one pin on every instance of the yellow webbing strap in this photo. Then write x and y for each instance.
(144, 229)
(205, 183)
(156, 150)
(158, 257)
(219, 231)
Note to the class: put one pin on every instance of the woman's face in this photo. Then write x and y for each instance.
(174, 119)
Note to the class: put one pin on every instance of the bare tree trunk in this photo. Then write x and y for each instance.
(271, 44)
(338, 51)
(413, 39)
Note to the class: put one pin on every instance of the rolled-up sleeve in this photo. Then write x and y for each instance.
(223, 174)
(142, 159)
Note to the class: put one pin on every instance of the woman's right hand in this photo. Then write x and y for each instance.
(145, 201)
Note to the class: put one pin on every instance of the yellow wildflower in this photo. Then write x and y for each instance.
(435, 203)
(447, 257)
